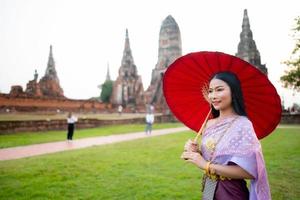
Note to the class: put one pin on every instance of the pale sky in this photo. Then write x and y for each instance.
(88, 34)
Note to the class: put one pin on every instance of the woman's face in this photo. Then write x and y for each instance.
(219, 94)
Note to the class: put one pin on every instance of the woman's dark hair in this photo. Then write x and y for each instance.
(236, 93)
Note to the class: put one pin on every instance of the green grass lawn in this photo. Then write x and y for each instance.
(282, 154)
(27, 138)
(144, 169)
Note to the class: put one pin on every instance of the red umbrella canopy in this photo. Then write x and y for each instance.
(187, 77)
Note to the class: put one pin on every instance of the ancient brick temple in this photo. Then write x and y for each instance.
(247, 48)
(128, 88)
(48, 86)
(45, 95)
(33, 87)
(169, 49)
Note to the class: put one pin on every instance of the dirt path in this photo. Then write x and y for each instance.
(39, 149)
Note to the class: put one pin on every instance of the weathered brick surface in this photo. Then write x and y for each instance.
(45, 125)
(290, 118)
(49, 104)
(168, 51)
(128, 88)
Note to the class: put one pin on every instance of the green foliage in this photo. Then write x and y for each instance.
(143, 169)
(106, 91)
(291, 79)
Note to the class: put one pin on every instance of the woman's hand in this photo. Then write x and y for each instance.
(195, 158)
(191, 146)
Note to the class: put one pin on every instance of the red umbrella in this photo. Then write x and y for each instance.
(187, 77)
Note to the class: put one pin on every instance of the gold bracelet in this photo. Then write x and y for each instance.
(212, 170)
(207, 168)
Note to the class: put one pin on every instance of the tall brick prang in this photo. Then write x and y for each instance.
(49, 84)
(169, 49)
(247, 48)
(128, 88)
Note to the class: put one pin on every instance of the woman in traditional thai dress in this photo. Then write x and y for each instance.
(230, 151)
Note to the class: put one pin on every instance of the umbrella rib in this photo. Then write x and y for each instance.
(196, 63)
(230, 63)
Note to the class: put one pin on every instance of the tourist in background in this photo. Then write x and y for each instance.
(120, 109)
(71, 125)
(149, 122)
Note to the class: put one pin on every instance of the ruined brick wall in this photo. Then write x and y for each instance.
(290, 118)
(7, 127)
(33, 104)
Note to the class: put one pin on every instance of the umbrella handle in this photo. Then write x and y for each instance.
(202, 127)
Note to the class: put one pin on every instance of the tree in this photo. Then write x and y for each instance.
(291, 78)
(106, 91)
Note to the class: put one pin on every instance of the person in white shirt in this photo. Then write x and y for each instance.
(120, 109)
(149, 122)
(71, 125)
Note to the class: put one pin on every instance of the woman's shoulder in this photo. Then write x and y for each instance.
(245, 126)
(240, 121)
(208, 124)
(239, 118)
(211, 122)
(244, 120)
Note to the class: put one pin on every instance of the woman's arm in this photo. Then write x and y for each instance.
(229, 171)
